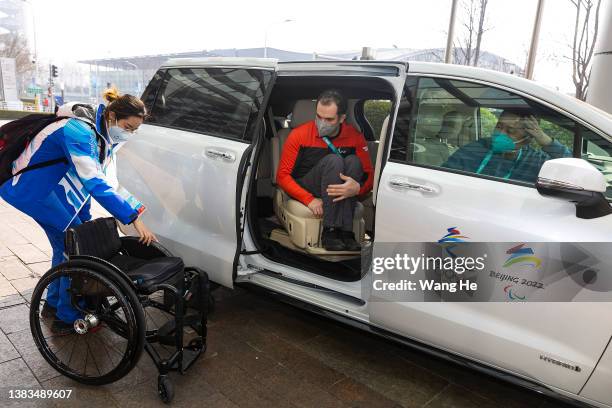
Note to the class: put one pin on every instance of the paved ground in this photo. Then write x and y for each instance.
(261, 354)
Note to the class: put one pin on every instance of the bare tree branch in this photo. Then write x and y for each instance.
(473, 25)
(15, 46)
(480, 32)
(574, 49)
(595, 30)
(585, 35)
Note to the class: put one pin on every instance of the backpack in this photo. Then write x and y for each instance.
(16, 136)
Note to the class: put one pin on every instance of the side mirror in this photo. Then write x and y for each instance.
(577, 181)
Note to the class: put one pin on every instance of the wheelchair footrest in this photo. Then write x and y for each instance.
(189, 357)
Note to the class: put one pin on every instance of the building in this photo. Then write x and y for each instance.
(12, 17)
(131, 74)
(487, 60)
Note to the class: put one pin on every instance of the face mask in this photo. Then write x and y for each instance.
(502, 143)
(325, 129)
(117, 134)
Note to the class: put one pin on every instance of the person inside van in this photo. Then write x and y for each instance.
(508, 153)
(58, 196)
(325, 165)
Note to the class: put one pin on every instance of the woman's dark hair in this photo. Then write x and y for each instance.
(330, 96)
(123, 106)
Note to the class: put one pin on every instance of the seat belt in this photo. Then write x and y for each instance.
(331, 146)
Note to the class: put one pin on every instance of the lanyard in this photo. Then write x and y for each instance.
(331, 146)
(487, 158)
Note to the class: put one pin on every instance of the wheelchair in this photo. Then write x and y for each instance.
(118, 285)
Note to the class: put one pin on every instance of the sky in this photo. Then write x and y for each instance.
(70, 30)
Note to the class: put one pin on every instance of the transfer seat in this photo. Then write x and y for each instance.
(302, 227)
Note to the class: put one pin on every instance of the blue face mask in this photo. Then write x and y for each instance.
(501, 142)
(118, 134)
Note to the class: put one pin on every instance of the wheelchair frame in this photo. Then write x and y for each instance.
(171, 333)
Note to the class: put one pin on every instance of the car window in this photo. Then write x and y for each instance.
(481, 130)
(375, 112)
(149, 94)
(216, 101)
(598, 151)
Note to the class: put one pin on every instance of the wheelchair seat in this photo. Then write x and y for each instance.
(148, 273)
(101, 239)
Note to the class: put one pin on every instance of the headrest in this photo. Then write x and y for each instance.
(350, 115)
(304, 110)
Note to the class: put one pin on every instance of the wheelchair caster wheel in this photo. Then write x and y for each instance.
(165, 389)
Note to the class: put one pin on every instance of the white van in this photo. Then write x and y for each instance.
(205, 162)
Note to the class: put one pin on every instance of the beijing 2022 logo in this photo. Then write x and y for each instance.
(521, 256)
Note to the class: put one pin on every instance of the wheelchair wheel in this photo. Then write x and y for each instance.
(165, 389)
(107, 340)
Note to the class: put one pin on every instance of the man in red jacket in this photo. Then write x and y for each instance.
(325, 165)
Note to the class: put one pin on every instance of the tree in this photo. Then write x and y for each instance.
(468, 47)
(16, 46)
(585, 35)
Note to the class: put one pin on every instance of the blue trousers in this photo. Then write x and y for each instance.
(58, 296)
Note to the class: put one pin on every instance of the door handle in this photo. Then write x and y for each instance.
(220, 155)
(406, 185)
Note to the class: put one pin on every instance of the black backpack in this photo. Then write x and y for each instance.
(15, 136)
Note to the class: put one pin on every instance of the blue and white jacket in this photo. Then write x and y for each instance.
(55, 194)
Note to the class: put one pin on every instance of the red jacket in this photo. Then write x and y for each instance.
(303, 150)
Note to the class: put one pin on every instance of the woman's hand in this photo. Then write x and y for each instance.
(146, 236)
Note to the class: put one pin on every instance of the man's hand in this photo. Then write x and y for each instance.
(533, 129)
(350, 188)
(316, 206)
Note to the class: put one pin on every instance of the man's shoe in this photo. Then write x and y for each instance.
(332, 240)
(60, 328)
(350, 244)
(48, 312)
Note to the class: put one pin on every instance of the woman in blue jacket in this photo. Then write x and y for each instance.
(59, 196)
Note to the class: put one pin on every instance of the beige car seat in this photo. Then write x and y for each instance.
(303, 228)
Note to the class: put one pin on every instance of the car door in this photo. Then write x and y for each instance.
(188, 159)
(421, 200)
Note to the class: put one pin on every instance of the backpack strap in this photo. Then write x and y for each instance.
(40, 165)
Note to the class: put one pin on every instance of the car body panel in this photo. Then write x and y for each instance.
(170, 171)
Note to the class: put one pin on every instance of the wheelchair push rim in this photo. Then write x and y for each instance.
(107, 340)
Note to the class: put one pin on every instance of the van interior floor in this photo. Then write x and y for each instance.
(346, 270)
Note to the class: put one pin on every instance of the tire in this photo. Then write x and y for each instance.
(120, 317)
(165, 389)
